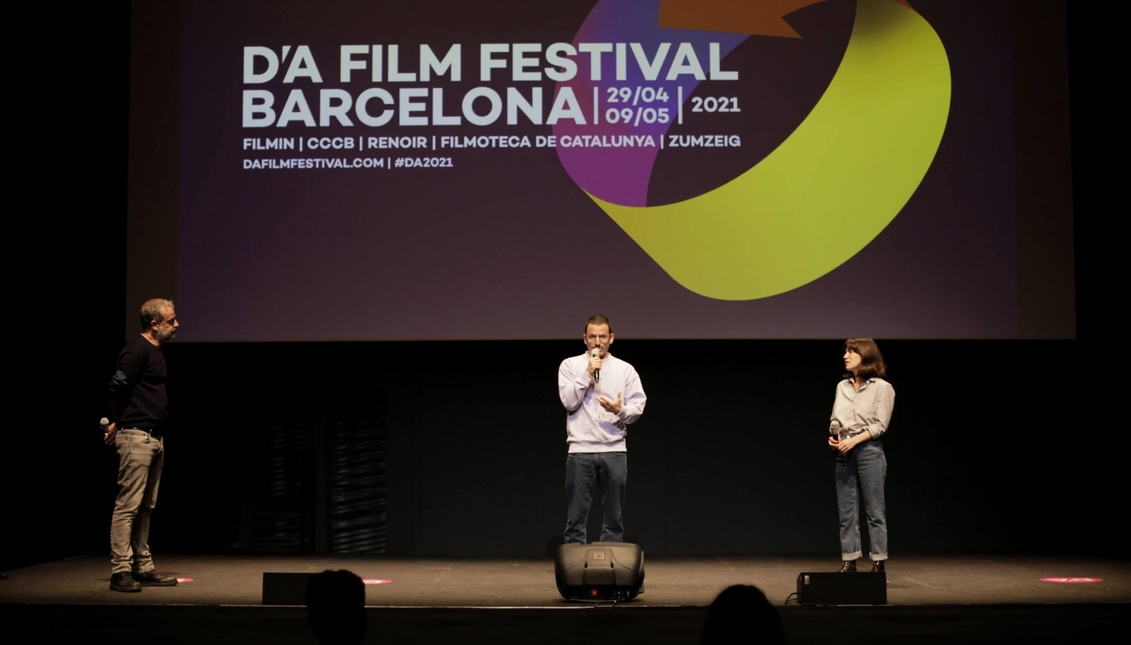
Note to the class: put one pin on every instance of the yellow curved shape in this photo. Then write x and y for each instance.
(830, 188)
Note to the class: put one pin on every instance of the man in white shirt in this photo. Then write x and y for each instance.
(602, 395)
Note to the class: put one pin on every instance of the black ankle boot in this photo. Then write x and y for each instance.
(124, 582)
(878, 566)
(848, 566)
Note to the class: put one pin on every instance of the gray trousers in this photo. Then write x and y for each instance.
(140, 460)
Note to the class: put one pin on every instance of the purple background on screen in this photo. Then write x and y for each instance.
(621, 175)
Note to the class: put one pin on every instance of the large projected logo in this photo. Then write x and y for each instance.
(821, 196)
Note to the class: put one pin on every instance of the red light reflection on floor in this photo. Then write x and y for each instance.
(183, 580)
(1072, 581)
(375, 581)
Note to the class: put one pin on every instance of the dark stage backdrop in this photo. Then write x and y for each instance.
(459, 448)
(729, 457)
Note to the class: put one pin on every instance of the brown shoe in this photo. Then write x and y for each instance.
(123, 582)
(848, 566)
(154, 579)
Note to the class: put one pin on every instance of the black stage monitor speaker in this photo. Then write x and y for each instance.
(285, 588)
(832, 588)
(600, 572)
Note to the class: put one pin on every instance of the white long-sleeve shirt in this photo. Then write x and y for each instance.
(869, 409)
(589, 427)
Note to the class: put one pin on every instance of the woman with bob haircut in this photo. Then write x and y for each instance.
(861, 413)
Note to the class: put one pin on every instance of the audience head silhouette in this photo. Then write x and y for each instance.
(741, 614)
(335, 603)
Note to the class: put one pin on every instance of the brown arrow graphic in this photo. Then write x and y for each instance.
(758, 17)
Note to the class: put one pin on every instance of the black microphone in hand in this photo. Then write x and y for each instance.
(596, 353)
(104, 423)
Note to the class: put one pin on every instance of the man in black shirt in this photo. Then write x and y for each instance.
(139, 409)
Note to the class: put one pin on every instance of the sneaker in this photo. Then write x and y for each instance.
(153, 579)
(848, 566)
(123, 582)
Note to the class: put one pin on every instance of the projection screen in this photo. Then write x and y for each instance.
(438, 170)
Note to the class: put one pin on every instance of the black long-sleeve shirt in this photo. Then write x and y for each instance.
(137, 389)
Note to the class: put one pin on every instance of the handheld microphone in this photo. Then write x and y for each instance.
(596, 353)
(104, 423)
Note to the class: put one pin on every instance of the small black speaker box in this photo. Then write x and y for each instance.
(285, 588)
(600, 572)
(832, 588)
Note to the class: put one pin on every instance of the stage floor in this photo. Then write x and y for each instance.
(503, 582)
(424, 600)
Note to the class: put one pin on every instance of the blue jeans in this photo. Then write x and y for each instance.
(586, 471)
(863, 469)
